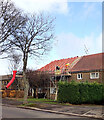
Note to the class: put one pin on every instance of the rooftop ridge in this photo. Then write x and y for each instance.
(65, 58)
(94, 54)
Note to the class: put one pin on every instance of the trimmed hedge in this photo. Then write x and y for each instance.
(78, 93)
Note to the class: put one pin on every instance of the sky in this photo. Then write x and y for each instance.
(78, 27)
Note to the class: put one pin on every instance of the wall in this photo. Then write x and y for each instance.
(86, 77)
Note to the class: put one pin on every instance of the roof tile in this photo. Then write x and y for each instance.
(90, 62)
(61, 63)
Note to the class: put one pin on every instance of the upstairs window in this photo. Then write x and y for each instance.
(79, 76)
(94, 75)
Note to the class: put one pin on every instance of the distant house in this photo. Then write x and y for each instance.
(4, 80)
(85, 68)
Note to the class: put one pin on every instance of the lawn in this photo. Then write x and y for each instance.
(37, 100)
(40, 100)
(32, 101)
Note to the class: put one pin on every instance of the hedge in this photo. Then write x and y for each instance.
(78, 93)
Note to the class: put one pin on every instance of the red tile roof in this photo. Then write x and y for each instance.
(84, 63)
(90, 62)
(61, 63)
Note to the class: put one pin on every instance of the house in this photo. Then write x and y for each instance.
(4, 80)
(59, 70)
(89, 68)
(85, 68)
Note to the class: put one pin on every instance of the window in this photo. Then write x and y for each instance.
(79, 76)
(5, 82)
(94, 75)
(52, 90)
(39, 90)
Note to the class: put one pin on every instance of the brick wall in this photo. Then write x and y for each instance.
(86, 77)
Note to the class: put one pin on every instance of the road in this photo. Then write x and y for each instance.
(13, 112)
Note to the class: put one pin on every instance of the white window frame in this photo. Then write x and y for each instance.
(52, 90)
(39, 90)
(95, 77)
(78, 76)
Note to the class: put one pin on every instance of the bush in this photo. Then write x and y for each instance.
(3, 94)
(8, 92)
(78, 93)
(13, 93)
(20, 94)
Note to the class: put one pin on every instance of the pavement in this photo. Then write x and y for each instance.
(92, 111)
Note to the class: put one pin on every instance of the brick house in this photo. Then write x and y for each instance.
(85, 68)
(4, 80)
(58, 71)
(89, 68)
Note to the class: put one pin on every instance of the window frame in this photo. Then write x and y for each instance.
(80, 76)
(52, 90)
(91, 77)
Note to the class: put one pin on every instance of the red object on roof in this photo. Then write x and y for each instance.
(61, 63)
(90, 62)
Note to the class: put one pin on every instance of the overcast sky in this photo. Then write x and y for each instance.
(78, 25)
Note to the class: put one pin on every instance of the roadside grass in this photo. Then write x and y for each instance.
(34, 102)
(37, 100)
(37, 105)
(32, 105)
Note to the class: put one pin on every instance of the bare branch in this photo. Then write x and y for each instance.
(31, 35)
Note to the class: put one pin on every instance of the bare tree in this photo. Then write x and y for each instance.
(33, 39)
(15, 61)
(10, 20)
(30, 35)
(38, 79)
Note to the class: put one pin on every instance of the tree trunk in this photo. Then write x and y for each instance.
(26, 82)
(26, 88)
(36, 92)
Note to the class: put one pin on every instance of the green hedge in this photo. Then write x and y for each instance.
(78, 93)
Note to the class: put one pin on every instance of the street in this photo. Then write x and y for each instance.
(13, 112)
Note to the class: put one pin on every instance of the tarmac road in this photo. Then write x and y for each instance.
(13, 112)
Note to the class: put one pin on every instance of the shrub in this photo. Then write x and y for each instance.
(78, 93)
(13, 93)
(3, 94)
(20, 94)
